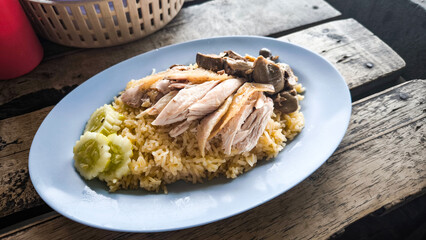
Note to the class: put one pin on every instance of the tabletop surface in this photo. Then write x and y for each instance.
(379, 163)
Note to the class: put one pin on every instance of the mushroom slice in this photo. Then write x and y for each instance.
(286, 102)
(268, 72)
(237, 67)
(211, 62)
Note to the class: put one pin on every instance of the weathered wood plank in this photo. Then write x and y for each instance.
(352, 48)
(15, 130)
(363, 176)
(16, 134)
(213, 18)
(420, 3)
(16, 189)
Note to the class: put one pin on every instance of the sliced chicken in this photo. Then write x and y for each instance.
(178, 73)
(134, 97)
(243, 94)
(197, 75)
(214, 98)
(165, 85)
(244, 133)
(207, 124)
(162, 86)
(148, 81)
(260, 102)
(161, 104)
(137, 92)
(254, 126)
(229, 131)
(177, 109)
(179, 129)
(179, 84)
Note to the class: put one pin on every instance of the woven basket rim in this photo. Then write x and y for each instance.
(99, 23)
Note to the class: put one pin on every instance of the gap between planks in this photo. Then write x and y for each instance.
(357, 53)
(350, 185)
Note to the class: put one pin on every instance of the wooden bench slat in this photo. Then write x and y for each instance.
(420, 3)
(355, 51)
(17, 130)
(16, 190)
(352, 183)
(212, 18)
(17, 133)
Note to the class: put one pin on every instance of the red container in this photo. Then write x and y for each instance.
(20, 49)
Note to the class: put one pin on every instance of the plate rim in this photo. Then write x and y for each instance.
(340, 136)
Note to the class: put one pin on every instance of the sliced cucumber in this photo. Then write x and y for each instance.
(91, 154)
(121, 151)
(104, 120)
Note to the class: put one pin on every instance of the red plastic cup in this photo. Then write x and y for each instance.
(20, 49)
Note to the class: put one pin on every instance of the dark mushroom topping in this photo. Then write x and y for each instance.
(233, 55)
(238, 68)
(288, 73)
(286, 102)
(211, 62)
(266, 71)
(266, 53)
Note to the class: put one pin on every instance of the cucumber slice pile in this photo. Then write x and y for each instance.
(104, 120)
(100, 152)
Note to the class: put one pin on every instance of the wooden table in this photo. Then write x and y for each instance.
(379, 163)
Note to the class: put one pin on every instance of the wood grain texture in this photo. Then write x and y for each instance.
(16, 130)
(379, 169)
(16, 189)
(420, 3)
(16, 135)
(213, 18)
(353, 49)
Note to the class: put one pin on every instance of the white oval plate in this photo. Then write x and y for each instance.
(327, 109)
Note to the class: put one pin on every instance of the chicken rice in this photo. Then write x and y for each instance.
(193, 123)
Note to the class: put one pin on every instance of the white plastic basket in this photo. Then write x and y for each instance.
(99, 23)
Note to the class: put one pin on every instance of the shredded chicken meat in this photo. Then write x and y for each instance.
(218, 97)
